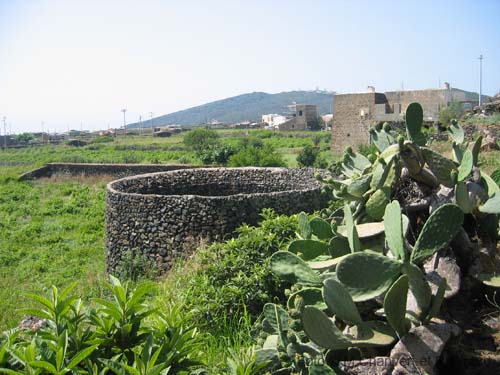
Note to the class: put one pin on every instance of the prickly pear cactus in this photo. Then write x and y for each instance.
(438, 231)
(414, 122)
(367, 274)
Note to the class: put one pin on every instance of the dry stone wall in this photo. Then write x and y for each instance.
(165, 215)
(94, 169)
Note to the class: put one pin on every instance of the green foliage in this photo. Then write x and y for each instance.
(103, 139)
(256, 156)
(24, 137)
(134, 265)
(450, 112)
(200, 139)
(114, 336)
(308, 156)
(234, 276)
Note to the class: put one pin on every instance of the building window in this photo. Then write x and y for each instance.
(300, 113)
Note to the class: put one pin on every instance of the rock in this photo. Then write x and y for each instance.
(371, 366)
(490, 142)
(442, 196)
(419, 350)
(443, 266)
(32, 323)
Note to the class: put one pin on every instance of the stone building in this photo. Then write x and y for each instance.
(301, 118)
(354, 114)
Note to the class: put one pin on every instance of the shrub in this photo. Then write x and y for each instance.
(256, 156)
(234, 276)
(308, 156)
(201, 139)
(134, 265)
(216, 154)
(450, 112)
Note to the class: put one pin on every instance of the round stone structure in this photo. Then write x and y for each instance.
(165, 215)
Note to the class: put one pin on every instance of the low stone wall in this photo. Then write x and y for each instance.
(165, 215)
(94, 169)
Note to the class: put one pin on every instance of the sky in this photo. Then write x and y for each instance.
(78, 63)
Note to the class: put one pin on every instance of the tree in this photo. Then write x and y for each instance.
(256, 157)
(201, 139)
(316, 124)
(24, 137)
(452, 111)
(307, 156)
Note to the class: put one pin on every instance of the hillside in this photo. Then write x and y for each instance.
(243, 107)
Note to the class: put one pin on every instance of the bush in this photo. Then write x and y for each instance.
(257, 157)
(201, 139)
(450, 112)
(103, 139)
(308, 156)
(134, 265)
(234, 276)
(216, 154)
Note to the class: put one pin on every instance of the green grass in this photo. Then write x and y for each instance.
(50, 233)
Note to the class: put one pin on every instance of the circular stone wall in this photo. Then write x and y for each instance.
(165, 215)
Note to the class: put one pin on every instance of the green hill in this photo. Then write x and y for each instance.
(242, 108)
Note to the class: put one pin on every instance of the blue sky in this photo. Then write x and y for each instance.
(73, 61)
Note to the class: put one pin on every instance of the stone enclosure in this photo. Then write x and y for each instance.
(165, 215)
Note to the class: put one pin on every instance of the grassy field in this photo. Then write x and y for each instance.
(52, 230)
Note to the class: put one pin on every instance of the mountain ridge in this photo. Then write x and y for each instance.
(244, 107)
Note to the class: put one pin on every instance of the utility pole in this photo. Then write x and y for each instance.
(140, 125)
(152, 125)
(4, 132)
(480, 80)
(124, 120)
(43, 140)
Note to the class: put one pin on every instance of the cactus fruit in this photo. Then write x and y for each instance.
(306, 297)
(340, 302)
(366, 274)
(290, 267)
(393, 226)
(414, 121)
(438, 231)
(322, 330)
(465, 166)
(375, 206)
(308, 249)
(321, 228)
(440, 166)
(456, 132)
(395, 305)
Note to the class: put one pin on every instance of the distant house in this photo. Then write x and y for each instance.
(354, 114)
(273, 119)
(302, 116)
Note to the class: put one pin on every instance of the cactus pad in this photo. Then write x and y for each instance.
(321, 228)
(304, 227)
(439, 165)
(456, 132)
(372, 333)
(419, 288)
(309, 296)
(439, 229)
(393, 226)
(375, 206)
(465, 166)
(322, 331)
(395, 305)
(308, 249)
(290, 267)
(340, 302)
(492, 205)
(414, 120)
(366, 274)
(359, 186)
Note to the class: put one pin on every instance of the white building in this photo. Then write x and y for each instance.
(273, 119)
